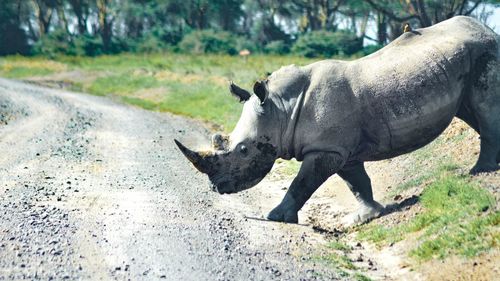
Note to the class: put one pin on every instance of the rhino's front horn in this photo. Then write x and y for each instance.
(199, 161)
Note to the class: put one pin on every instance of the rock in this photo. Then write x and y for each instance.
(360, 258)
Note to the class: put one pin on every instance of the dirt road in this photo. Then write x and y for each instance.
(92, 189)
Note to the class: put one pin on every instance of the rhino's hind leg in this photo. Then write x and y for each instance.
(489, 133)
(316, 169)
(359, 183)
(489, 154)
(485, 106)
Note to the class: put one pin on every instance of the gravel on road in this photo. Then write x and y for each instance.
(91, 189)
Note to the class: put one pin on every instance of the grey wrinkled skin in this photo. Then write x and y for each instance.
(335, 115)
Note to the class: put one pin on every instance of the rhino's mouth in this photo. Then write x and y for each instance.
(220, 183)
(223, 187)
(233, 186)
(229, 186)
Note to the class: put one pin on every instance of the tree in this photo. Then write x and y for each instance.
(264, 27)
(318, 14)
(405, 10)
(13, 39)
(81, 10)
(227, 13)
(358, 12)
(104, 26)
(106, 19)
(43, 11)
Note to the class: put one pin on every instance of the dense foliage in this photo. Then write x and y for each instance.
(209, 41)
(309, 27)
(327, 44)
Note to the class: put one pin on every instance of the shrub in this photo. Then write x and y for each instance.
(209, 41)
(149, 44)
(59, 42)
(53, 44)
(347, 42)
(86, 45)
(244, 43)
(277, 47)
(13, 40)
(327, 44)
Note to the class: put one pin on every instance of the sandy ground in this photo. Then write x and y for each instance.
(94, 190)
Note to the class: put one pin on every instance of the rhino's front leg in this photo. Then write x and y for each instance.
(316, 168)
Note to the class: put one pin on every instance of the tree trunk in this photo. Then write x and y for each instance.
(78, 9)
(105, 24)
(62, 16)
(381, 28)
(364, 24)
(44, 15)
(396, 29)
(422, 13)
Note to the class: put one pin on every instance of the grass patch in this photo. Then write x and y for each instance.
(22, 67)
(195, 85)
(337, 245)
(338, 259)
(456, 221)
(202, 100)
(121, 84)
(140, 102)
(360, 277)
(287, 167)
(423, 177)
(22, 72)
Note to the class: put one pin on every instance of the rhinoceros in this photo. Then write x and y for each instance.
(335, 115)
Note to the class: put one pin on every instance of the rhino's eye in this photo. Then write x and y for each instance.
(243, 149)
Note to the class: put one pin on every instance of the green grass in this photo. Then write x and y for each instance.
(140, 102)
(203, 101)
(456, 220)
(360, 277)
(418, 175)
(190, 85)
(21, 67)
(338, 259)
(22, 72)
(124, 84)
(338, 245)
(288, 168)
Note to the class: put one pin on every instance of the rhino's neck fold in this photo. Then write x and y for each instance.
(286, 147)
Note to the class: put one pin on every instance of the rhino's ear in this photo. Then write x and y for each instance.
(238, 92)
(260, 89)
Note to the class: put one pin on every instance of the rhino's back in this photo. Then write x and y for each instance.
(410, 90)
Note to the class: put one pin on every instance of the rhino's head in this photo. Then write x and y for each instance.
(242, 159)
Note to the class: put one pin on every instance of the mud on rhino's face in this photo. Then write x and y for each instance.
(241, 160)
(241, 166)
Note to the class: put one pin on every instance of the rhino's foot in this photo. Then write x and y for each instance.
(484, 169)
(364, 213)
(283, 214)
